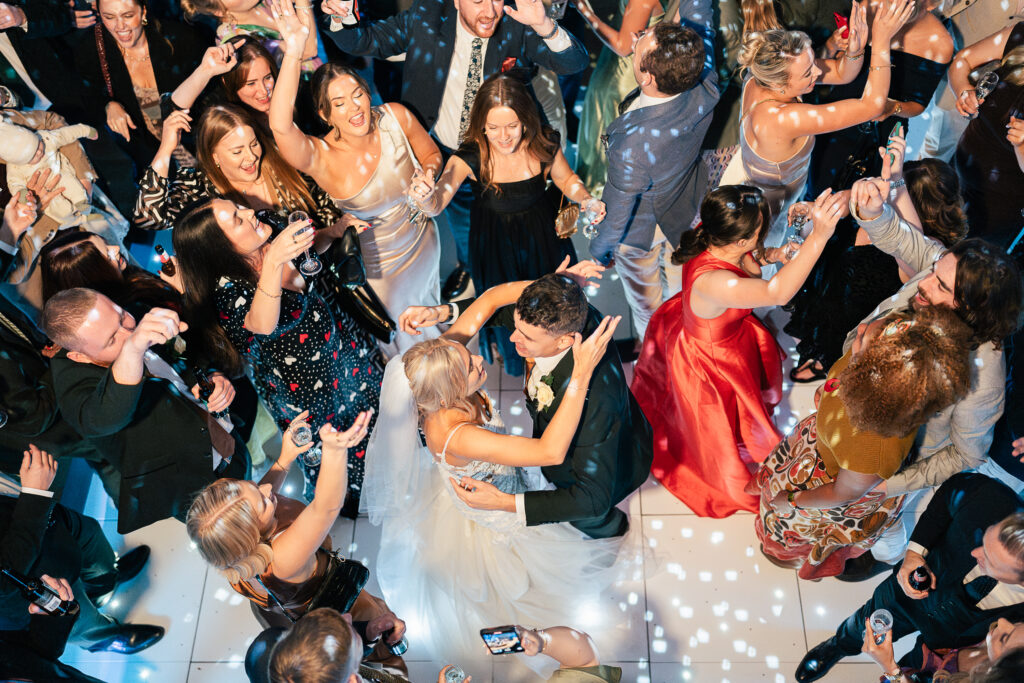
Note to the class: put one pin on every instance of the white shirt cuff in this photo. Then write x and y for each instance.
(36, 492)
(560, 41)
(918, 548)
(455, 312)
(10, 249)
(521, 508)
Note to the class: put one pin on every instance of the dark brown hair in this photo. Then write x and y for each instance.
(988, 290)
(677, 58)
(215, 123)
(501, 90)
(247, 51)
(320, 83)
(318, 648)
(554, 302)
(728, 214)
(935, 190)
(914, 368)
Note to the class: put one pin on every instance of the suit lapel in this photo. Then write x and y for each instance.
(444, 48)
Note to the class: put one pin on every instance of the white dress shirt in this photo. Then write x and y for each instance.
(645, 100)
(449, 116)
(542, 367)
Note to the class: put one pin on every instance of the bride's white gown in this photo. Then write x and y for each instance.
(449, 570)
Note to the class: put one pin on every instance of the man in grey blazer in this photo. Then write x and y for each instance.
(655, 176)
(983, 285)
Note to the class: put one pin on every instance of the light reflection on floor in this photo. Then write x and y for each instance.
(708, 609)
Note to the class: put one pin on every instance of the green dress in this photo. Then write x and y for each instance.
(610, 82)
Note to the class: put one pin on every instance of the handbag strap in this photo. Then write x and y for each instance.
(101, 52)
(279, 603)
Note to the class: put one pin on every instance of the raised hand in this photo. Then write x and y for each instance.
(157, 327)
(222, 396)
(880, 652)
(19, 216)
(828, 208)
(596, 208)
(44, 187)
(293, 32)
(289, 451)
(890, 17)
(174, 125)
(531, 13)
(82, 18)
(422, 187)
(336, 8)
(967, 103)
(587, 354)
(219, 59)
(581, 272)
(868, 196)
(858, 35)
(415, 317)
(1015, 131)
(893, 154)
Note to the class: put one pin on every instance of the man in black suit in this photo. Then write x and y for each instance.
(611, 452)
(970, 541)
(41, 538)
(451, 47)
(129, 403)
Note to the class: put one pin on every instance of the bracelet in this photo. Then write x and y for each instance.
(893, 677)
(453, 311)
(272, 296)
(553, 31)
(893, 184)
(853, 58)
(898, 109)
(303, 6)
(887, 66)
(543, 637)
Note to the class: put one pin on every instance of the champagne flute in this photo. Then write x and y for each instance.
(984, 87)
(310, 265)
(586, 220)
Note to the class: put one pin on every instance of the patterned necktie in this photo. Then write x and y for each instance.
(628, 100)
(530, 364)
(473, 79)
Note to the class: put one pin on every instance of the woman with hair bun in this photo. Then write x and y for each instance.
(777, 129)
(710, 373)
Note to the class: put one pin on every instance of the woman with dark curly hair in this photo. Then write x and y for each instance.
(819, 502)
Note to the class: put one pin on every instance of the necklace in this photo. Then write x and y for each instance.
(131, 60)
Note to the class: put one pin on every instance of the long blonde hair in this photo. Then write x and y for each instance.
(226, 530)
(438, 377)
(768, 54)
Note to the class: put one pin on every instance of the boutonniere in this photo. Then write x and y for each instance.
(508, 63)
(545, 391)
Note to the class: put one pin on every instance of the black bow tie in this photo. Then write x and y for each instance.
(628, 100)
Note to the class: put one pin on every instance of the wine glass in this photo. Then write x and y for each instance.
(586, 221)
(310, 264)
(984, 87)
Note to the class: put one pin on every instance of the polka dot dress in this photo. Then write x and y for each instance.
(317, 360)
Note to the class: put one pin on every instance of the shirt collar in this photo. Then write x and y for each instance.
(463, 34)
(645, 100)
(545, 366)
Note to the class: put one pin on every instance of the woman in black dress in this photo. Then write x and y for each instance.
(508, 157)
(849, 266)
(989, 157)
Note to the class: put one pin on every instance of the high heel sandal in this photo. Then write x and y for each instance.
(817, 374)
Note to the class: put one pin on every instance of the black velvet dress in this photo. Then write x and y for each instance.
(511, 237)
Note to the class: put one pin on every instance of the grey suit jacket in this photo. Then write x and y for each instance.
(655, 174)
(957, 438)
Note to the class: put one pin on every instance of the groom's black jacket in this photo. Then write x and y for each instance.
(610, 454)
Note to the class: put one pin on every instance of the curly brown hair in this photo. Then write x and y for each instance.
(908, 373)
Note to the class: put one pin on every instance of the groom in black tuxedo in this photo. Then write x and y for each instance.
(611, 452)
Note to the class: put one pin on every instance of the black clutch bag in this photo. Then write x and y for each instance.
(344, 280)
(338, 590)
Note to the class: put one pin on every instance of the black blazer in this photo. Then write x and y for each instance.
(953, 525)
(149, 432)
(611, 452)
(426, 34)
(175, 50)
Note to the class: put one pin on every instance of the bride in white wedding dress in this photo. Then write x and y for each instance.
(449, 570)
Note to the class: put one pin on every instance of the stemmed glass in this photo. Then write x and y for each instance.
(799, 214)
(984, 87)
(586, 221)
(301, 436)
(310, 265)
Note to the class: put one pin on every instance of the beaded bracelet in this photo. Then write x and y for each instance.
(553, 31)
(853, 58)
(887, 66)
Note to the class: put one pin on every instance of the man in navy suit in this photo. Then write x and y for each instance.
(451, 47)
(655, 178)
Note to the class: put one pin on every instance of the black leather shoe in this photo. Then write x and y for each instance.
(128, 567)
(125, 639)
(456, 283)
(863, 568)
(819, 661)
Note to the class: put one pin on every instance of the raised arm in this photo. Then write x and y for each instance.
(846, 65)
(432, 197)
(297, 148)
(887, 232)
(722, 289)
(634, 19)
(265, 310)
(423, 146)
(217, 60)
(477, 443)
(967, 60)
(295, 547)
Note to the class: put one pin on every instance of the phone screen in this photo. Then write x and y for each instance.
(501, 640)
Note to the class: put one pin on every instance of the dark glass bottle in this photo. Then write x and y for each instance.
(275, 222)
(40, 594)
(206, 389)
(166, 264)
(919, 579)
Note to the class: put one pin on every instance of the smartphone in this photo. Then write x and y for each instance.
(23, 196)
(843, 23)
(501, 640)
(83, 5)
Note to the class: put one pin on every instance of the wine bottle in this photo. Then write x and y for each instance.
(206, 389)
(275, 222)
(40, 594)
(166, 264)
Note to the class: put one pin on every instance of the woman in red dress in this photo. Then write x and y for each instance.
(710, 373)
